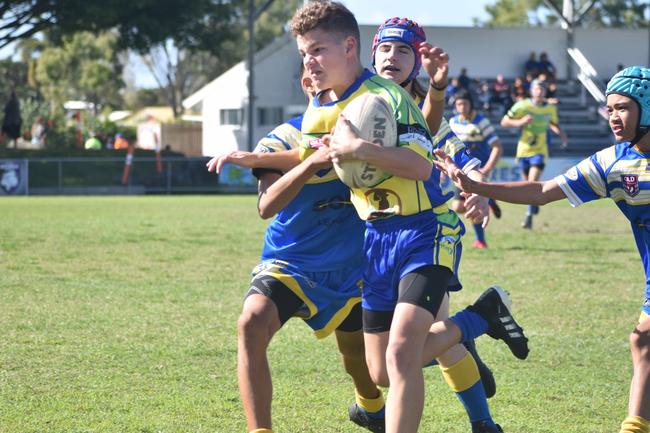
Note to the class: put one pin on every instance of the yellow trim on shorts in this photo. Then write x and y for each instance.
(338, 318)
(644, 316)
(293, 285)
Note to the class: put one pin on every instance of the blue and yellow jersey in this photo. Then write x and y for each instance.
(395, 195)
(319, 229)
(477, 133)
(533, 140)
(622, 173)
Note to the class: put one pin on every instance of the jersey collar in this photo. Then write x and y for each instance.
(350, 90)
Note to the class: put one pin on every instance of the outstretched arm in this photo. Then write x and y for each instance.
(283, 161)
(557, 130)
(526, 192)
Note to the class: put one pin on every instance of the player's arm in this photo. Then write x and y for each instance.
(277, 192)
(495, 153)
(511, 122)
(559, 132)
(401, 162)
(283, 161)
(525, 192)
(436, 62)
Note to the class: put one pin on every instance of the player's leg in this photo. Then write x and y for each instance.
(420, 294)
(638, 417)
(368, 409)
(267, 306)
(524, 165)
(537, 164)
(461, 372)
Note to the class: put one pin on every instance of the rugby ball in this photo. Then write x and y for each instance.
(373, 120)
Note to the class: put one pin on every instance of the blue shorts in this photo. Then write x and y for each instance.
(531, 161)
(329, 296)
(399, 245)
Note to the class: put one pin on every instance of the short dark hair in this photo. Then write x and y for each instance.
(329, 16)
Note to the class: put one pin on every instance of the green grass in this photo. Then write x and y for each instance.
(117, 314)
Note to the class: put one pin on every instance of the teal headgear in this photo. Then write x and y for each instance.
(634, 82)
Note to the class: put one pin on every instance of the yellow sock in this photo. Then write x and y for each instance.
(370, 404)
(462, 375)
(262, 430)
(635, 424)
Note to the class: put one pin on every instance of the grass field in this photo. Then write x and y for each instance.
(117, 314)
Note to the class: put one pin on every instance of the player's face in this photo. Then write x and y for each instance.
(394, 60)
(325, 57)
(462, 107)
(537, 92)
(623, 116)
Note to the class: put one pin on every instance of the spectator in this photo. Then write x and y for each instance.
(452, 89)
(120, 142)
(519, 91)
(93, 143)
(483, 95)
(501, 93)
(531, 66)
(463, 80)
(545, 66)
(38, 133)
(527, 82)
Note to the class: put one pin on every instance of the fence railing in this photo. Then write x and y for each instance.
(171, 175)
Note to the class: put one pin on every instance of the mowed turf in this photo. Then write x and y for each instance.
(118, 314)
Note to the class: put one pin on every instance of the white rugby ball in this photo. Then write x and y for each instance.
(374, 121)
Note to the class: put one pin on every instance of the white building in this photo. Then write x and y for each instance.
(484, 52)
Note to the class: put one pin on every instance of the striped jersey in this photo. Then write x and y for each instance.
(319, 229)
(622, 173)
(477, 133)
(395, 195)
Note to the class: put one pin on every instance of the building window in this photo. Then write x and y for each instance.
(231, 116)
(269, 116)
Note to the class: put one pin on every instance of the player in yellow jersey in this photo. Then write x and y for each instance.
(534, 116)
(412, 240)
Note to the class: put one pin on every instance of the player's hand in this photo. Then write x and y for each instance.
(564, 144)
(477, 209)
(345, 143)
(320, 158)
(447, 166)
(237, 157)
(436, 62)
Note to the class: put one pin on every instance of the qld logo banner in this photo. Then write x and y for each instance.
(13, 177)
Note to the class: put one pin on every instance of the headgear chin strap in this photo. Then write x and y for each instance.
(634, 82)
(403, 30)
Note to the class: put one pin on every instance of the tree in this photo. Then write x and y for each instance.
(85, 67)
(604, 13)
(200, 24)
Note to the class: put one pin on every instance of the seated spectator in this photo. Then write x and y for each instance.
(483, 95)
(519, 91)
(545, 66)
(452, 89)
(501, 92)
(463, 80)
(120, 142)
(531, 66)
(529, 79)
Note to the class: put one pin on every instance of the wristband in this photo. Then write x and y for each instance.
(436, 94)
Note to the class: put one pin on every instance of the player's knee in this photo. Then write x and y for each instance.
(378, 373)
(255, 325)
(640, 345)
(401, 358)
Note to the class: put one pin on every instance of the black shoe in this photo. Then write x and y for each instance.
(528, 222)
(494, 306)
(487, 378)
(482, 427)
(496, 209)
(361, 418)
